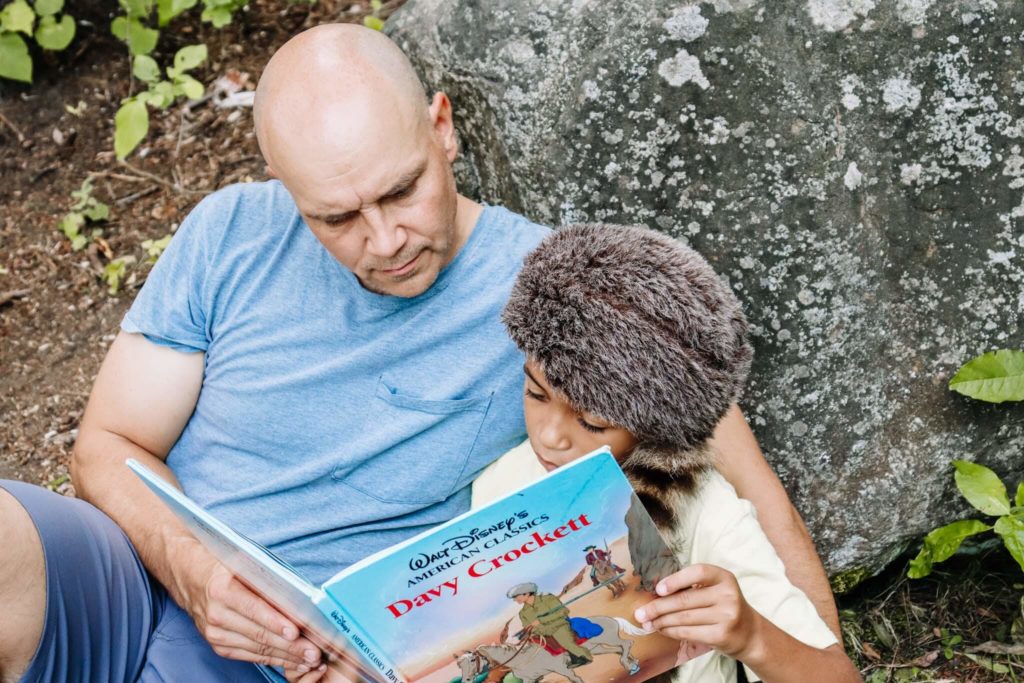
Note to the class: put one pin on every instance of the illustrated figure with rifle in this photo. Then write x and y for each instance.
(543, 614)
(604, 571)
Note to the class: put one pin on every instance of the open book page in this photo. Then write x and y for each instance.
(454, 601)
(268, 576)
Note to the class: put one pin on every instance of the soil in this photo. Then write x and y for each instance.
(56, 316)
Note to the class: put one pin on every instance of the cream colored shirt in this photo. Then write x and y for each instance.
(716, 527)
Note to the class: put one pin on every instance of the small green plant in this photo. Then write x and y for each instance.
(86, 209)
(373, 20)
(155, 247)
(994, 377)
(113, 272)
(131, 123)
(53, 31)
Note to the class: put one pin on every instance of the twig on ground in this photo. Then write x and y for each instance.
(7, 297)
(157, 179)
(6, 121)
(129, 198)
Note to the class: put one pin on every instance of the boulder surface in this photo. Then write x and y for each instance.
(852, 167)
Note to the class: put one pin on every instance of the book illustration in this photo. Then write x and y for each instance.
(542, 582)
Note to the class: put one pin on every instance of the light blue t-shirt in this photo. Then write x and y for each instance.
(332, 421)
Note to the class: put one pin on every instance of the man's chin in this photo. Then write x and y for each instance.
(414, 284)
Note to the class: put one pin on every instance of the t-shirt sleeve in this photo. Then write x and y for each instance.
(171, 309)
(738, 543)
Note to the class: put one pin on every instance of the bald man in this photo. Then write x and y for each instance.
(319, 361)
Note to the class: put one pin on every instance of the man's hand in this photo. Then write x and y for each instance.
(239, 624)
(703, 604)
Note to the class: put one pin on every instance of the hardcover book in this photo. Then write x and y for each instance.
(541, 583)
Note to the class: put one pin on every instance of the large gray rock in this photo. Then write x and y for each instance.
(853, 167)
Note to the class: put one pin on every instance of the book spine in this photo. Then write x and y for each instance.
(374, 657)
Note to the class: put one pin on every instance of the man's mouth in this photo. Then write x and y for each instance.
(403, 269)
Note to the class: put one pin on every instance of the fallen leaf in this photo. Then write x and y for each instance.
(870, 652)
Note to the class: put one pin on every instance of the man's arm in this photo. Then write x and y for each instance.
(142, 399)
(741, 462)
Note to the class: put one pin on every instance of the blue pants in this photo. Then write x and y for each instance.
(106, 618)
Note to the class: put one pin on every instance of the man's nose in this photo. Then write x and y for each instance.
(385, 237)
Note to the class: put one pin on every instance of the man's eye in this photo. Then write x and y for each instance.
(403, 193)
(589, 427)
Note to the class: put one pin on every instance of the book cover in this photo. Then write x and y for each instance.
(542, 582)
(495, 590)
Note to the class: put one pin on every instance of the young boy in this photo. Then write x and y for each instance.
(632, 341)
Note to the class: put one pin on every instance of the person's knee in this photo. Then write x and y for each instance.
(22, 588)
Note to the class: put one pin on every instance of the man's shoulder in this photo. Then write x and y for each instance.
(246, 203)
(516, 233)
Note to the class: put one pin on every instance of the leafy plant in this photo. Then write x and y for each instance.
(86, 209)
(374, 20)
(114, 272)
(53, 31)
(156, 247)
(995, 377)
(131, 123)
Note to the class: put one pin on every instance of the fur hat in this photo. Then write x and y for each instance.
(636, 328)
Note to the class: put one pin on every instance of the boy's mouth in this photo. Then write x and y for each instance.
(547, 464)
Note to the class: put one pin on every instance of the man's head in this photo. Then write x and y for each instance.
(344, 123)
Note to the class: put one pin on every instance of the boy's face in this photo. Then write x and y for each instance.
(558, 432)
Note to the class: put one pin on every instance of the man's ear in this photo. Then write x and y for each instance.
(443, 126)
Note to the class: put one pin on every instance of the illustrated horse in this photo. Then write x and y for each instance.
(475, 668)
(530, 660)
(604, 570)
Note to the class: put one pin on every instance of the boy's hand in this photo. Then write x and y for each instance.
(703, 604)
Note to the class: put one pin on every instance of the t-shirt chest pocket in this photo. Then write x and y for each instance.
(425, 446)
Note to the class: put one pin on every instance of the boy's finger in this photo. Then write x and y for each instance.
(703, 616)
(703, 574)
(693, 598)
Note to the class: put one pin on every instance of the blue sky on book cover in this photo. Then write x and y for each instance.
(443, 594)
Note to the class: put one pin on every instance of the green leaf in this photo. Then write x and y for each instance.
(1012, 531)
(189, 57)
(981, 487)
(14, 60)
(17, 16)
(145, 68)
(373, 22)
(168, 9)
(375, 5)
(55, 35)
(141, 39)
(988, 662)
(941, 543)
(137, 8)
(159, 95)
(131, 123)
(46, 8)
(97, 212)
(190, 87)
(114, 271)
(71, 224)
(995, 377)
(1019, 498)
(218, 16)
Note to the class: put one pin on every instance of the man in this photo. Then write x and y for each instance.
(595, 555)
(543, 614)
(320, 362)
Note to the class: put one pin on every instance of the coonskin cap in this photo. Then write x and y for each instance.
(635, 327)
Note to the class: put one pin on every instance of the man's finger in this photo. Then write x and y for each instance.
(235, 631)
(247, 656)
(257, 610)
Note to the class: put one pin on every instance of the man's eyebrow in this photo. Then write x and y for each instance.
(401, 185)
(405, 181)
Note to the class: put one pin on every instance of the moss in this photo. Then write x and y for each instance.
(844, 582)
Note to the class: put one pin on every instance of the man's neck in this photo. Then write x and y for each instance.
(467, 213)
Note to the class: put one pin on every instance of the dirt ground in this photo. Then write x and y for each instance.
(57, 318)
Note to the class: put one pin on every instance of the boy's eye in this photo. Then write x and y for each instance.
(534, 395)
(589, 427)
